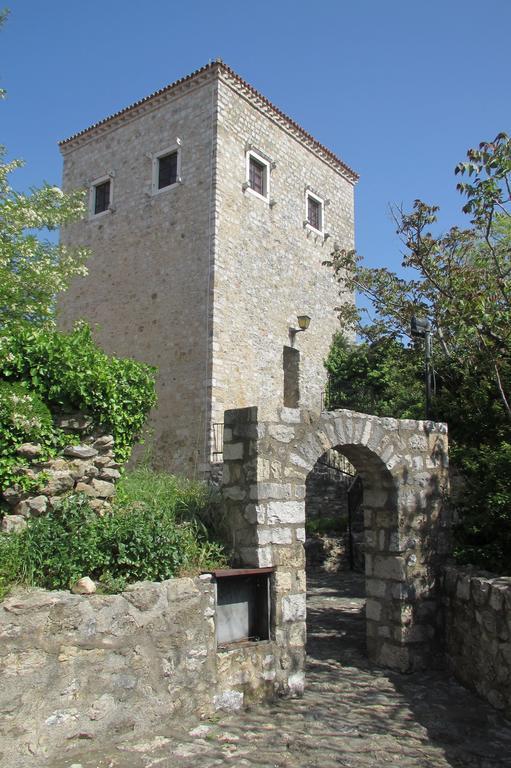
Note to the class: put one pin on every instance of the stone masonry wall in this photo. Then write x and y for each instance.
(147, 292)
(268, 266)
(88, 467)
(478, 633)
(76, 667)
(327, 490)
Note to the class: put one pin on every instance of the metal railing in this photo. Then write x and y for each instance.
(217, 442)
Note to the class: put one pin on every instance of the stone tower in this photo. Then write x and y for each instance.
(210, 214)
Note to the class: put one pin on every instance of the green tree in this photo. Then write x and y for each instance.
(34, 270)
(461, 282)
(381, 376)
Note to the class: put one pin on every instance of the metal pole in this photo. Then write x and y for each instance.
(427, 372)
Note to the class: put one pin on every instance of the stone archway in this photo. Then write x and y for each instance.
(403, 465)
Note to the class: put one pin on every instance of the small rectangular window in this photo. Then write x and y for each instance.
(314, 213)
(243, 605)
(257, 176)
(101, 197)
(291, 365)
(167, 170)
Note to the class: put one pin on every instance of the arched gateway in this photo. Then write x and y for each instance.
(403, 466)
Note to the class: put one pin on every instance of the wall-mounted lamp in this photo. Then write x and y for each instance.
(303, 324)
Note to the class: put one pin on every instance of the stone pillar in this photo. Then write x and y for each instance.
(266, 521)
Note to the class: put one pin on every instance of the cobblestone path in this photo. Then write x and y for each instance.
(353, 715)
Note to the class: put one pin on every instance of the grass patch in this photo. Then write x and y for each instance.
(160, 526)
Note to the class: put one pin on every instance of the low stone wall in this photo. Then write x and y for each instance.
(327, 490)
(478, 633)
(76, 667)
(88, 467)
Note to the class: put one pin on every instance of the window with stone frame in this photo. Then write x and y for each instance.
(101, 196)
(258, 174)
(167, 169)
(314, 212)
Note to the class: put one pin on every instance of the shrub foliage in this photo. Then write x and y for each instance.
(145, 537)
(68, 371)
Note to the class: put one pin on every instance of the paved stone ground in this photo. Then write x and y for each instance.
(353, 715)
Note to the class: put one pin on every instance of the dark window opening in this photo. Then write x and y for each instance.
(243, 606)
(314, 213)
(291, 364)
(101, 197)
(167, 170)
(257, 176)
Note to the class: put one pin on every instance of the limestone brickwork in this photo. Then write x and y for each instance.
(205, 278)
(403, 465)
(76, 667)
(147, 291)
(268, 265)
(478, 633)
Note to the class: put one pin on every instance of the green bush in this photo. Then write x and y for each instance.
(145, 537)
(483, 536)
(23, 418)
(69, 371)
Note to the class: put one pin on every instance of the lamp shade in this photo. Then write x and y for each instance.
(419, 326)
(303, 322)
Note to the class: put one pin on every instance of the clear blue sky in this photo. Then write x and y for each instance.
(400, 89)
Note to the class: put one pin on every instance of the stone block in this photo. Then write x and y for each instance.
(283, 581)
(480, 591)
(59, 481)
(13, 523)
(463, 587)
(258, 557)
(290, 415)
(281, 512)
(80, 452)
(274, 536)
(298, 461)
(37, 505)
(496, 598)
(270, 491)
(294, 608)
(296, 684)
(229, 701)
(87, 489)
(29, 450)
(389, 567)
(108, 473)
(373, 609)
(255, 513)
(103, 488)
(281, 432)
(394, 656)
(375, 588)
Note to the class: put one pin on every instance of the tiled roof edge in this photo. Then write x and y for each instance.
(249, 91)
